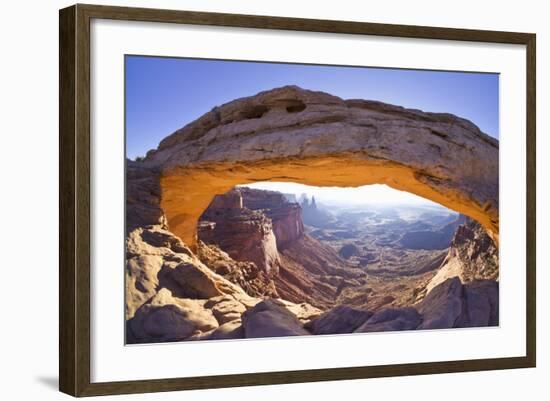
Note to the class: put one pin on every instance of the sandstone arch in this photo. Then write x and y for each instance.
(296, 135)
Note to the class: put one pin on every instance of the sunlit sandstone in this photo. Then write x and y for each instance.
(294, 135)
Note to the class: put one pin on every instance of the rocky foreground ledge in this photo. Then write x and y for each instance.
(173, 295)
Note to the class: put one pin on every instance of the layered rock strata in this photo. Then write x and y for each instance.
(246, 235)
(285, 216)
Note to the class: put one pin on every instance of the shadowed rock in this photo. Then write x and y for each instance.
(442, 306)
(143, 193)
(481, 304)
(453, 304)
(166, 318)
(392, 319)
(339, 320)
(228, 331)
(270, 318)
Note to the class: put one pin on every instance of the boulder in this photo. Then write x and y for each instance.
(166, 318)
(191, 279)
(442, 306)
(270, 318)
(228, 309)
(480, 304)
(303, 311)
(391, 319)
(231, 330)
(339, 320)
(248, 301)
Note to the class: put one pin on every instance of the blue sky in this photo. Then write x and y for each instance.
(164, 94)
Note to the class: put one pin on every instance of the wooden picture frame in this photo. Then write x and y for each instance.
(74, 204)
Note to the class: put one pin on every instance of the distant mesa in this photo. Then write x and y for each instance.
(431, 239)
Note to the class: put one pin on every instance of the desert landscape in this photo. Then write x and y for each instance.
(211, 257)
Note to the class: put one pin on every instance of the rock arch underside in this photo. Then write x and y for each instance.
(314, 138)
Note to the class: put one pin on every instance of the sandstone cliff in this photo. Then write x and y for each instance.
(285, 215)
(472, 256)
(246, 235)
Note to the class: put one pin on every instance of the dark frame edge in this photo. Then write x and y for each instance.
(531, 200)
(74, 201)
(67, 254)
(301, 24)
(301, 376)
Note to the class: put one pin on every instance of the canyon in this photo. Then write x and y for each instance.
(208, 258)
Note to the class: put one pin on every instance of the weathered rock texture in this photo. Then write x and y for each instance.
(472, 256)
(253, 280)
(296, 135)
(143, 197)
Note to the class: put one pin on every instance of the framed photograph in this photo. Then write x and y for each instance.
(250, 200)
